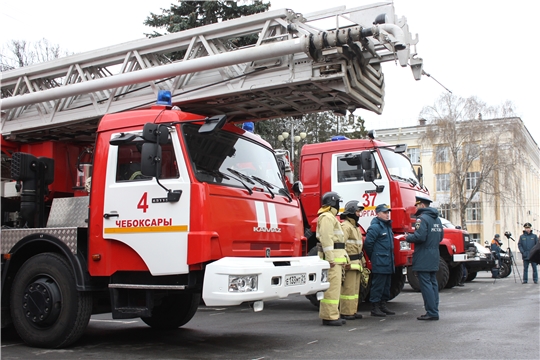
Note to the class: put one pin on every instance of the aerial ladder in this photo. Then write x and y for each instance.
(294, 68)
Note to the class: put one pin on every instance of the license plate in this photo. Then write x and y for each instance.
(295, 279)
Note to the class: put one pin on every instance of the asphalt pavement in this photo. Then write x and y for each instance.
(485, 319)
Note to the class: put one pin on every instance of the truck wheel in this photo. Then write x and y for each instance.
(46, 308)
(456, 274)
(412, 279)
(174, 311)
(443, 274)
(471, 276)
(397, 282)
(505, 270)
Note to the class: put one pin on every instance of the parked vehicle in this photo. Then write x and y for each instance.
(484, 260)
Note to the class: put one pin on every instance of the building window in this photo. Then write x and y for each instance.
(474, 212)
(472, 151)
(444, 211)
(472, 179)
(475, 237)
(443, 182)
(414, 155)
(441, 154)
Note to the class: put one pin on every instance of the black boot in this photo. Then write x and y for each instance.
(386, 310)
(337, 322)
(376, 311)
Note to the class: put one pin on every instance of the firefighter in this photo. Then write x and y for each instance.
(332, 246)
(348, 303)
(426, 238)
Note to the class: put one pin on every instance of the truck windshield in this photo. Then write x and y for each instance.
(229, 159)
(399, 166)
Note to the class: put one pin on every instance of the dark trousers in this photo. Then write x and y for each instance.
(380, 287)
(526, 271)
(430, 291)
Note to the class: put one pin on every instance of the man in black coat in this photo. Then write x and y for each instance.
(426, 238)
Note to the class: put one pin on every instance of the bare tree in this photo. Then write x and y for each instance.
(478, 154)
(20, 53)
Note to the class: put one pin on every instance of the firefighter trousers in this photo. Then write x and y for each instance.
(348, 304)
(329, 306)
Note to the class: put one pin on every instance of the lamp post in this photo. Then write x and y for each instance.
(294, 138)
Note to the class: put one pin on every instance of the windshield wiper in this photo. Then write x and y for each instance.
(269, 186)
(240, 179)
(243, 176)
(412, 181)
(265, 183)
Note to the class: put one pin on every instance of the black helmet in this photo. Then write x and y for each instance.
(352, 207)
(332, 199)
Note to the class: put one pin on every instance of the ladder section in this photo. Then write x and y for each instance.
(292, 69)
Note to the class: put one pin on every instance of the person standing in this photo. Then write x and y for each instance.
(525, 244)
(379, 245)
(348, 302)
(426, 238)
(495, 248)
(332, 245)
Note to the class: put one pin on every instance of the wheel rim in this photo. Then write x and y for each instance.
(42, 302)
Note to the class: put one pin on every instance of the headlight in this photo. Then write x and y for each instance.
(243, 283)
(482, 255)
(403, 245)
(324, 276)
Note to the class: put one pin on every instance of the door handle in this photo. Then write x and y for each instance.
(106, 216)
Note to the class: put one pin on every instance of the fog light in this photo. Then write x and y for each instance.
(320, 295)
(324, 276)
(242, 283)
(403, 245)
(258, 306)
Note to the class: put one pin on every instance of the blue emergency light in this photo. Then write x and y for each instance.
(339, 137)
(164, 97)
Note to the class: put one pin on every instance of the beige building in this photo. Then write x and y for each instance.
(487, 214)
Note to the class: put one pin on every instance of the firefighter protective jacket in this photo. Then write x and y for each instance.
(330, 235)
(353, 242)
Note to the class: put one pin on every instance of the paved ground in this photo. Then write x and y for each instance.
(485, 319)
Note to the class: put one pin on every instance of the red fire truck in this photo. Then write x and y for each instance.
(373, 173)
(112, 202)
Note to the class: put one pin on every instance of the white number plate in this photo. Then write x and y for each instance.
(295, 279)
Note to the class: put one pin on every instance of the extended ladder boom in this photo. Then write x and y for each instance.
(293, 68)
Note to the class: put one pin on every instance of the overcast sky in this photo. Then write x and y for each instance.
(477, 48)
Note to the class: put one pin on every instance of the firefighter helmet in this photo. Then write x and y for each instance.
(332, 199)
(352, 207)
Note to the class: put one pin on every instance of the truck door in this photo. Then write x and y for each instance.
(136, 210)
(347, 180)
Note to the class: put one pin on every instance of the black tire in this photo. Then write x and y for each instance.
(397, 283)
(46, 308)
(456, 274)
(442, 276)
(412, 279)
(174, 311)
(471, 275)
(505, 270)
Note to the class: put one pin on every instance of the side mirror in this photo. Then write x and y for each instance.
(151, 160)
(156, 133)
(369, 175)
(213, 123)
(366, 158)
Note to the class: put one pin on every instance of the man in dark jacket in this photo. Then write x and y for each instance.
(426, 238)
(525, 244)
(379, 246)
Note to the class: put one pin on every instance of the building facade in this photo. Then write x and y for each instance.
(510, 201)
